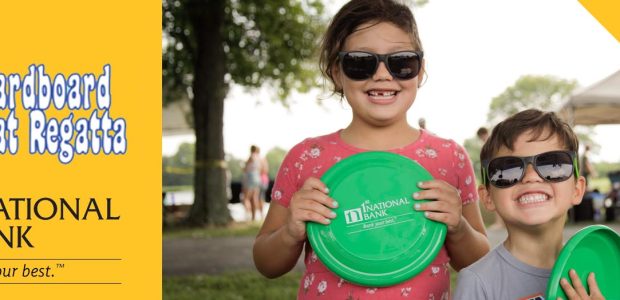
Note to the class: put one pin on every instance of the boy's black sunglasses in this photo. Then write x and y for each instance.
(553, 166)
(361, 65)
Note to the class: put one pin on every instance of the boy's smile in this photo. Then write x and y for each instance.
(532, 198)
(533, 201)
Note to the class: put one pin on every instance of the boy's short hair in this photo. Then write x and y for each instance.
(506, 132)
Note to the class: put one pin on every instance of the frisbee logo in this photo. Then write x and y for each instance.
(369, 211)
(353, 215)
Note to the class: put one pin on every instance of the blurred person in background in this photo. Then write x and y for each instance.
(252, 184)
(587, 170)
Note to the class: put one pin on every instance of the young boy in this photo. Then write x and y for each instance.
(531, 179)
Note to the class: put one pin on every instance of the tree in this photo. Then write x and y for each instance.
(529, 91)
(210, 44)
(542, 92)
(473, 146)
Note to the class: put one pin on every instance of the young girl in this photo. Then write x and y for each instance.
(372, 54)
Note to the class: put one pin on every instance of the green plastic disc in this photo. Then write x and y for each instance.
(595, 249)
(377, 238)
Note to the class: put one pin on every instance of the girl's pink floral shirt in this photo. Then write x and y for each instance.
(444, 159)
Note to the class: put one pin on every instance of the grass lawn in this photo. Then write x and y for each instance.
(238, 285)
(250, 284)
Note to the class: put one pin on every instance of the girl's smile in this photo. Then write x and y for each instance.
(382, 97)
(380, 100)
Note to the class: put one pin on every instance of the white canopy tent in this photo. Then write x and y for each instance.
(174, 119)
(596, 104)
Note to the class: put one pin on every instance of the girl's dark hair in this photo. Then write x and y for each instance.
(506, 132)
(356, 13)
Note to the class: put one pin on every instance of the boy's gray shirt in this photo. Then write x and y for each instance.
(500, 275)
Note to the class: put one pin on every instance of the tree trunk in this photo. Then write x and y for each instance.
(209, 88)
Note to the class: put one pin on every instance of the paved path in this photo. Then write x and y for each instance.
(190, 256)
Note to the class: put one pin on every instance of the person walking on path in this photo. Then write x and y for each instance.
(252, 184)
(587, 170)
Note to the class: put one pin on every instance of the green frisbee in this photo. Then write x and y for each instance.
(377, 238)
(595, 249)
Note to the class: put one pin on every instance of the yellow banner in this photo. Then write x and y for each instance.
(607, 13)
(80, 150)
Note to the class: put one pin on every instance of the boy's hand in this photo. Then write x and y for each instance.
(310, 203)
(448, 208)
(579, 291)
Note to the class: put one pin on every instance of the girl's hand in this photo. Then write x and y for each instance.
(579, 291)
(448, 208)
(310, 203)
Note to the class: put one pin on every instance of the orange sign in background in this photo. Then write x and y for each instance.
(607, 13)
(80, 150)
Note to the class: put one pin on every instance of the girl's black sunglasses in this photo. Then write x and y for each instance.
(361, 65)
(553, 166)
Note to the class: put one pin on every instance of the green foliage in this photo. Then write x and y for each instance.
(417, 3)
(265, 41)
(473, 146)
(178, 51)
(542, 92)
(179, 169)
(273, 41)
(604, 168)
(235, 166)
(600, 183)
(274, 158)
(237, 285)
(185, 155)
